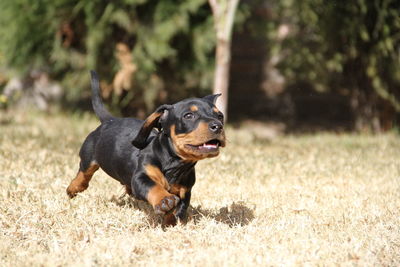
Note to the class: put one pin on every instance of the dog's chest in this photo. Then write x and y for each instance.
(179, 174)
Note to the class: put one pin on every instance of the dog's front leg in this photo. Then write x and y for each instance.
(180, 212)
(184, 191)
(155, 192)
(184, 194)
(181, 209)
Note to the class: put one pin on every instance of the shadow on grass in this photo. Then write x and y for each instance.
(235, 214)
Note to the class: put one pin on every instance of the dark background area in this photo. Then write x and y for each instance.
(311, 65)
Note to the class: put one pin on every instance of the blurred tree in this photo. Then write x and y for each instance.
(349, 47)
(352, 47)
(171, 44)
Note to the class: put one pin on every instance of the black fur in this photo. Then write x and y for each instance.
(97, 104)
(125, 147)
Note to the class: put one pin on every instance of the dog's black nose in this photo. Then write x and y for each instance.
(215, 127)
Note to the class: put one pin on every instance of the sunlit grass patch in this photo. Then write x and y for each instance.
(316, 199)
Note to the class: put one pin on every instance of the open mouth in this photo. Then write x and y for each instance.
(209, 146)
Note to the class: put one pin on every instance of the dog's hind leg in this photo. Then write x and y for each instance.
(88, 166)
(82, 179)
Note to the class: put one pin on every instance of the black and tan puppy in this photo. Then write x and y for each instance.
(155, 158)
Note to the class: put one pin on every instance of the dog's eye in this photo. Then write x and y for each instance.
(221, 117)
(188, 116)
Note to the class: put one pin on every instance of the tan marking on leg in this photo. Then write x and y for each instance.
(162, 201)
(81, 181)
(157, 176)
(169, 220)
(179, 190)
(156, 194)
(170, 217)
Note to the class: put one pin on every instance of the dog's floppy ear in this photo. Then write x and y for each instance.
(212, 98)
(152, 121)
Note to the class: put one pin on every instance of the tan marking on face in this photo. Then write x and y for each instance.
(194, 108)
(179, 190)
(81, 181)
(216, 110)
(199, 136)
(157, 176)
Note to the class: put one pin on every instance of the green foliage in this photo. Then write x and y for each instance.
(172, 42)
(21, 43)
(348, 46)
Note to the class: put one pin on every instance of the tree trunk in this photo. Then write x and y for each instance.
(223, 13)
(221, 78)
(365, 113)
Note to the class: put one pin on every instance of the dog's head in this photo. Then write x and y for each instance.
(195, 127)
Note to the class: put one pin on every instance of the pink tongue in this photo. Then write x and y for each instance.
(209, 146)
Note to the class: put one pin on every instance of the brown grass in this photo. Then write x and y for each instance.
(307, 200)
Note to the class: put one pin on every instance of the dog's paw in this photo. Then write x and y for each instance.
(166, 204)
(169, 219)
(73, 189)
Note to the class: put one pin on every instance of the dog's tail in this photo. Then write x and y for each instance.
(97, 103)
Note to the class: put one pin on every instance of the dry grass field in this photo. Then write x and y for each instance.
(309, 200)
